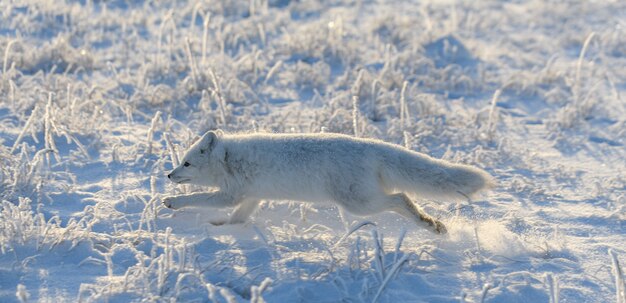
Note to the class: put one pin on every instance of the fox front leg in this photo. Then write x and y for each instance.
(213, 199)
(241, 214)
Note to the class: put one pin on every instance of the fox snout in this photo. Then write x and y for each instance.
(175, 177)
(172, 176)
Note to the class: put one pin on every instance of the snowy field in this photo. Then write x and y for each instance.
(98, 99)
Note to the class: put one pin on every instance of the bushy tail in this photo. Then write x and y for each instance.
(433, 179)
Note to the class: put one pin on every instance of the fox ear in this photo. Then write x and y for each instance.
(207, 142)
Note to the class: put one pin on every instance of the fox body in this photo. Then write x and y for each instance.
(362, 176)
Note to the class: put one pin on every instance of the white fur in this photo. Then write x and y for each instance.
(361, 175)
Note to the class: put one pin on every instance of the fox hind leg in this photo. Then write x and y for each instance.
(361, 201)
(404, 206)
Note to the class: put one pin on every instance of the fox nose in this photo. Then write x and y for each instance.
(169, 176)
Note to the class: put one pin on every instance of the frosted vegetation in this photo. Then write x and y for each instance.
(98, 99)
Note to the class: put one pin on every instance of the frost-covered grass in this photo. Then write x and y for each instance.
(98, 100)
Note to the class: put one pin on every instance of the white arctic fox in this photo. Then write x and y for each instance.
(363, 176)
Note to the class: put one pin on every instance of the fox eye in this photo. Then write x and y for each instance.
(186, 164)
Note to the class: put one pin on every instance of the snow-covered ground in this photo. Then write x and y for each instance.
(98, 97)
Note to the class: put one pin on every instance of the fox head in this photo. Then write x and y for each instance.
(200, 165)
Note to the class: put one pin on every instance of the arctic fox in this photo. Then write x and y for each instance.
(363, 176)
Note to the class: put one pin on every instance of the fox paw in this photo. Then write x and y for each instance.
(218, 222)
(437, 226)
(221, 222)
(440, 228)
(171, 202)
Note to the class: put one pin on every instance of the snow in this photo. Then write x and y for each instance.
(98, 100)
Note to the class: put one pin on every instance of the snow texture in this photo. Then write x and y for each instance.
(98, 100)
